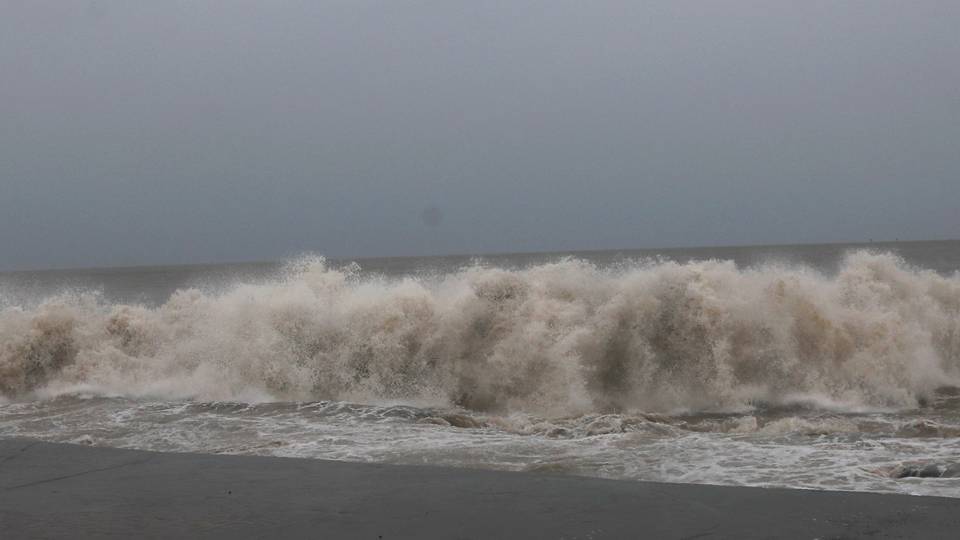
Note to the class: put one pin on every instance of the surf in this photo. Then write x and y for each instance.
(567, 337)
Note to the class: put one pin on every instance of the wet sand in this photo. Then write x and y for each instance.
(69, 491)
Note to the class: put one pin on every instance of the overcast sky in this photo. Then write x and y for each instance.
(199, 131)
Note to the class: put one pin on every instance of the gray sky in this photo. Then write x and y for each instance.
(193, 131)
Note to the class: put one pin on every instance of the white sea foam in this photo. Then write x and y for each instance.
(566, 338)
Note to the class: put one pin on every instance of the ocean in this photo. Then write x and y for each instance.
(816, 366)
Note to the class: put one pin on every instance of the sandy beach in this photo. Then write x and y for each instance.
(72, 491)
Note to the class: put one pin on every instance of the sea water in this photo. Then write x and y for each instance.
(829, 367)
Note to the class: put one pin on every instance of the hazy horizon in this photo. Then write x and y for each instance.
(666, 250)
(209, 132)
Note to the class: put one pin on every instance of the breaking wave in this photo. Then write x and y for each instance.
(564, 338)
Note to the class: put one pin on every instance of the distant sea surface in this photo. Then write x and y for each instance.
(812, 366)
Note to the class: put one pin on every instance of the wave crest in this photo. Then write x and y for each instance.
(562, 338)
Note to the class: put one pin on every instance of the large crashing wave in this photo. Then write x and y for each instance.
(555, 339)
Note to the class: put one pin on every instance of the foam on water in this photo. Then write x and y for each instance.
(913, 453)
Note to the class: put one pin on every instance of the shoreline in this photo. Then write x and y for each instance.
(56, 490)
